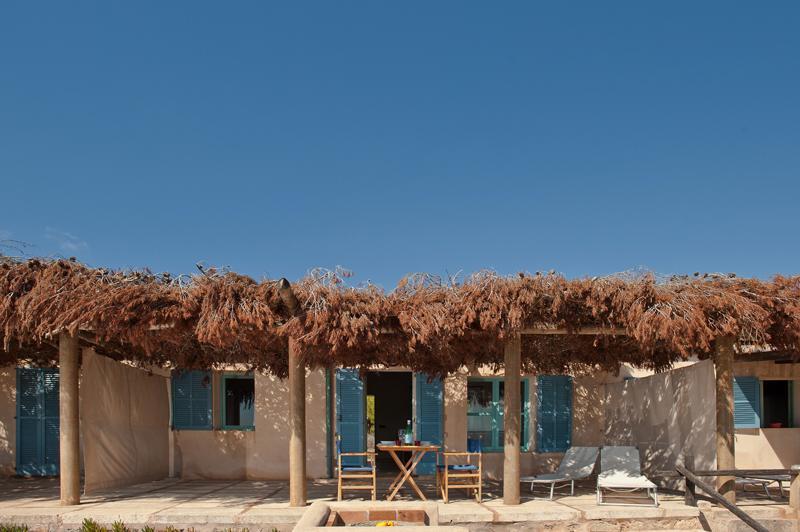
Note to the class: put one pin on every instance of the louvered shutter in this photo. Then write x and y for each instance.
(191, 400)
(429, 418)
(51, 453)
(201, 399)
(350, 414)
(554, 413)
(29, 422)
(746, 402)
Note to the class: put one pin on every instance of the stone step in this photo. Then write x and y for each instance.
(737, 525)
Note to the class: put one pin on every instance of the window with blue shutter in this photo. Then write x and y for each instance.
(191, 400)
(746, 403)
(554, 413)
(430, 398)
(37, 422)
(351, 415)
(485, 412)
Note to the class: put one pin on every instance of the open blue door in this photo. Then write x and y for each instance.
(351, 414)
(37, 422)
(430, 410)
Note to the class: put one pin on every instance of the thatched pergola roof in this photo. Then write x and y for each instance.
(219, 317)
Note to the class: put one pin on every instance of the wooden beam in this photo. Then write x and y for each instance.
(741, 473)
(767, 356)
(722, 500)
(511, 420)
(689, 492)
(287, 296)
(69, 420)
(587, 331)
(726, 453)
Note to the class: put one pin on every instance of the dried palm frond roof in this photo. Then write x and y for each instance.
(219, 317)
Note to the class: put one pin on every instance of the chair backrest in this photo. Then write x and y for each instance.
(473, 446)
(620, 461)
(578, 462)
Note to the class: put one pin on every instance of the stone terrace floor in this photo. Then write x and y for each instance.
(263, 505)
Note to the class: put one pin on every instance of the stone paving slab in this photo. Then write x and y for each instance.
(257, 504)
(465, 512)
(532, 511)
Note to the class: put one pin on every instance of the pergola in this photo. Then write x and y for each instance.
(540, 322)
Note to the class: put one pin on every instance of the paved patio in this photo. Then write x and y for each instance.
(263, 505)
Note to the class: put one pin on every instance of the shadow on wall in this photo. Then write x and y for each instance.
(667, 415)
(8, 423)
(263, 453)
(269, 458)
(589, 408)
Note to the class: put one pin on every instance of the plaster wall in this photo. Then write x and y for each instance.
(261, 453)
(767, 448)
(8, 422)
(588, 418)
(770, 448)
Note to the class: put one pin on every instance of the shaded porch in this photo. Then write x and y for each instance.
(265, 505)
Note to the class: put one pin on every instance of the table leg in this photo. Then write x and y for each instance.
(411, 480)
(400, 467)
(416, 456)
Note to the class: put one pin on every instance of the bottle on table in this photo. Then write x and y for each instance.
(408, 438)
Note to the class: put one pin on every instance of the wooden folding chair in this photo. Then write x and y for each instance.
(461, 470)
(358, 472)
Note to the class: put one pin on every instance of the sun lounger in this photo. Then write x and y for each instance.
(578, 463)
(620, 472)
(764, 481)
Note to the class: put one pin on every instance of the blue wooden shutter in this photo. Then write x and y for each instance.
(554, 413)
(37, 422)
(191, 400)
(429, 418)
(201, 399)
(29, 425)
(51, 453)
(746, 402)
(350, 414)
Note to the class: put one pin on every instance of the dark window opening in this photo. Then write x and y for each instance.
(776, 408)
(239, 395)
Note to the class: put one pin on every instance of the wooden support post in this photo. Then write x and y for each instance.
(690, 493)
(69, 421)
(511, 420)
(726, 458)
(794, 490)
(297, 405)
(297, 422)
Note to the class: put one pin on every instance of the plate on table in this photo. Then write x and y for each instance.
(386, 442)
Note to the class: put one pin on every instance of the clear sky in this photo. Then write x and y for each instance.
(393, 137)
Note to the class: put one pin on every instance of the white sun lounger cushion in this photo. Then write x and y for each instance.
(619, 468)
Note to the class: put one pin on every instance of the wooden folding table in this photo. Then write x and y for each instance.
(417, 453)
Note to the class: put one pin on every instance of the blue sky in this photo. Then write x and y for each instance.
(585, 137)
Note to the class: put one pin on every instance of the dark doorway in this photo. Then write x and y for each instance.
(390, 393)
